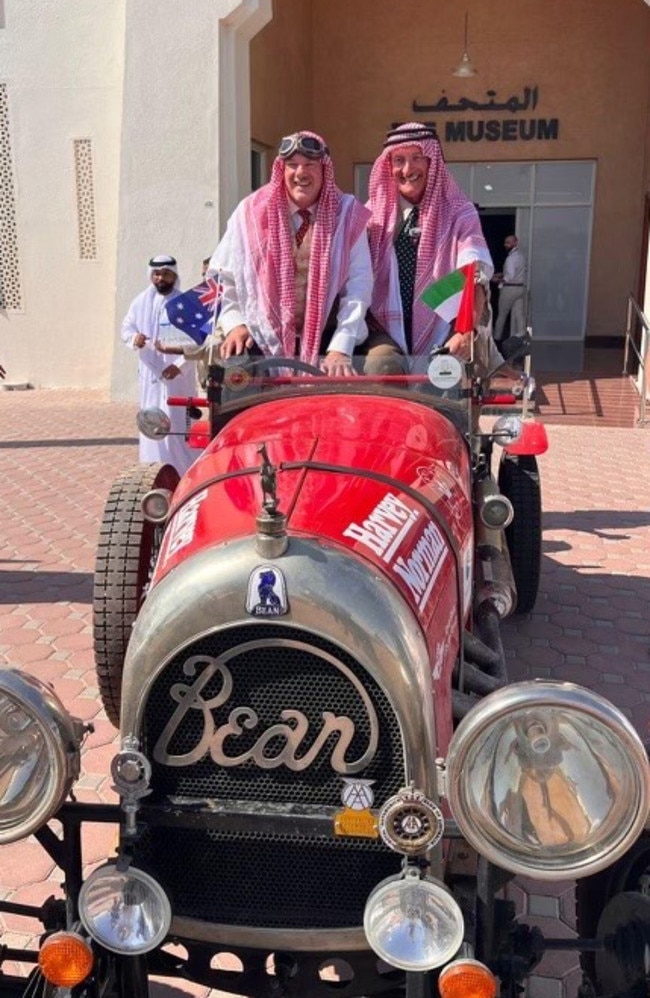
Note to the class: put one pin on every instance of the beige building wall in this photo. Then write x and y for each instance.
(282, 74)
(61, 74)
(588, 59)
(124, 132)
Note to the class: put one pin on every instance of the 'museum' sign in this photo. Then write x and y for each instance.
(495, 129)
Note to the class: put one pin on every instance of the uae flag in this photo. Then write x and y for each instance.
(452, 298)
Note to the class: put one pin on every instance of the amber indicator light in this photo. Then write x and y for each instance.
(65, 959)
(467, 979)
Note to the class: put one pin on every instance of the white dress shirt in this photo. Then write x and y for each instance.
(354, 296)
(514, 268)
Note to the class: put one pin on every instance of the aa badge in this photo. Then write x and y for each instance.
(357, 819)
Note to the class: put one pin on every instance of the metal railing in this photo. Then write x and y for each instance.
(637, 320)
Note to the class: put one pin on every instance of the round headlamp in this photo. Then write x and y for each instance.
(125, 911)
(507, 429)
(413, 922)
(548, 779)
(156, 505)
(496, 511)
(39, 754)
(153, 423)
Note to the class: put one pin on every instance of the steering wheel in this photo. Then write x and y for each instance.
(258, 365)
(240, 370)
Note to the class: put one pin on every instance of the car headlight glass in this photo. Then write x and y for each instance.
(125, 910)
(548, 779)
(153, 423)
(413, 922)
(507, 429)
(39, 754)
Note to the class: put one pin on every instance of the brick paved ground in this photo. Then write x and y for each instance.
(60, 452)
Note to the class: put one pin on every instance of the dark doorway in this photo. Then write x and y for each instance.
(497, 223)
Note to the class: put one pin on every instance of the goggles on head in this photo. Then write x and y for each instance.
(307, 145)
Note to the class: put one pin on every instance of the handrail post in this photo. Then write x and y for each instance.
(628, 333)
(640, 381)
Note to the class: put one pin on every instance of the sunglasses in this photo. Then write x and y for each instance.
(307, 145)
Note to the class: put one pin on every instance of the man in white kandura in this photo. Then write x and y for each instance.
(145, 324)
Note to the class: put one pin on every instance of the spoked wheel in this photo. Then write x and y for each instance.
(519, 481)
(126, 556)
(615, 905)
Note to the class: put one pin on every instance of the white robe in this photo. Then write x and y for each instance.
(147, 315)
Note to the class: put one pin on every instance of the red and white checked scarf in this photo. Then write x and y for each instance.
(451, 237)
(260, 255)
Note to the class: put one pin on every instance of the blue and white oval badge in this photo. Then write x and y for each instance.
(267, 593)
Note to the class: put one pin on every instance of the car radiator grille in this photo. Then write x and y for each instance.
(250, 878)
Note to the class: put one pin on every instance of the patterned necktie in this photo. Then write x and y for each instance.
(304, 226)
(406, 248)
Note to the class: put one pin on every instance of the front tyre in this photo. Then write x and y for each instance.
(519, 481)
(126, 556)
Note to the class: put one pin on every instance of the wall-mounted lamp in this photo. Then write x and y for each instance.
(464, 67)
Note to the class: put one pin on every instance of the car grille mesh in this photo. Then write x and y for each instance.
(270, 882)
(254, 879)
(270, 679)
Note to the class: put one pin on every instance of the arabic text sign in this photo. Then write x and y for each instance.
(513, 104)
(503, 129)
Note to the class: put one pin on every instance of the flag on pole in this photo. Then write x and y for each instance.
(452, 297)
(196, 311)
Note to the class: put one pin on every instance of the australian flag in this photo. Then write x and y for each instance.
(195, 311)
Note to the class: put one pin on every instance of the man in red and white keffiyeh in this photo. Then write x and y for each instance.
(411, 171)
(295, 251)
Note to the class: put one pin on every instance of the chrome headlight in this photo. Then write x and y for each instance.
(125, 911)
(507, 429)
(548, 779)
(156, 505)
(153, 423)
(39, 754)
(413, 922)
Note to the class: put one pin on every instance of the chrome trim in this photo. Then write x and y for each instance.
(62, 736)
(363, 612)
(330, 940)
(533, 695)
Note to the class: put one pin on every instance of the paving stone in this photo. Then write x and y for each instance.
(590, 626)
(539, 904)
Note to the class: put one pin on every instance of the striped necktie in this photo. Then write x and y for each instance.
(304, 226)
(406, 248)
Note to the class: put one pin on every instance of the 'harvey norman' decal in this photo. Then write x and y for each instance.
(421, 568)
(184, 523)
(385, 528)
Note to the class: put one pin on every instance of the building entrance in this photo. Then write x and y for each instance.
(497, 223)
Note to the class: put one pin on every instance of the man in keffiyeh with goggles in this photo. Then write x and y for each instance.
(412, 191)
(296, 270)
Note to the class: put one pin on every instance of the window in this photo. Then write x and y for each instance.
(259, 168)
(10, 289)
(85, 191)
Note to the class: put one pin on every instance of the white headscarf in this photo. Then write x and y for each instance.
(163, 262)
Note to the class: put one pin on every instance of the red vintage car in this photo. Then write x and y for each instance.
(324, 770)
